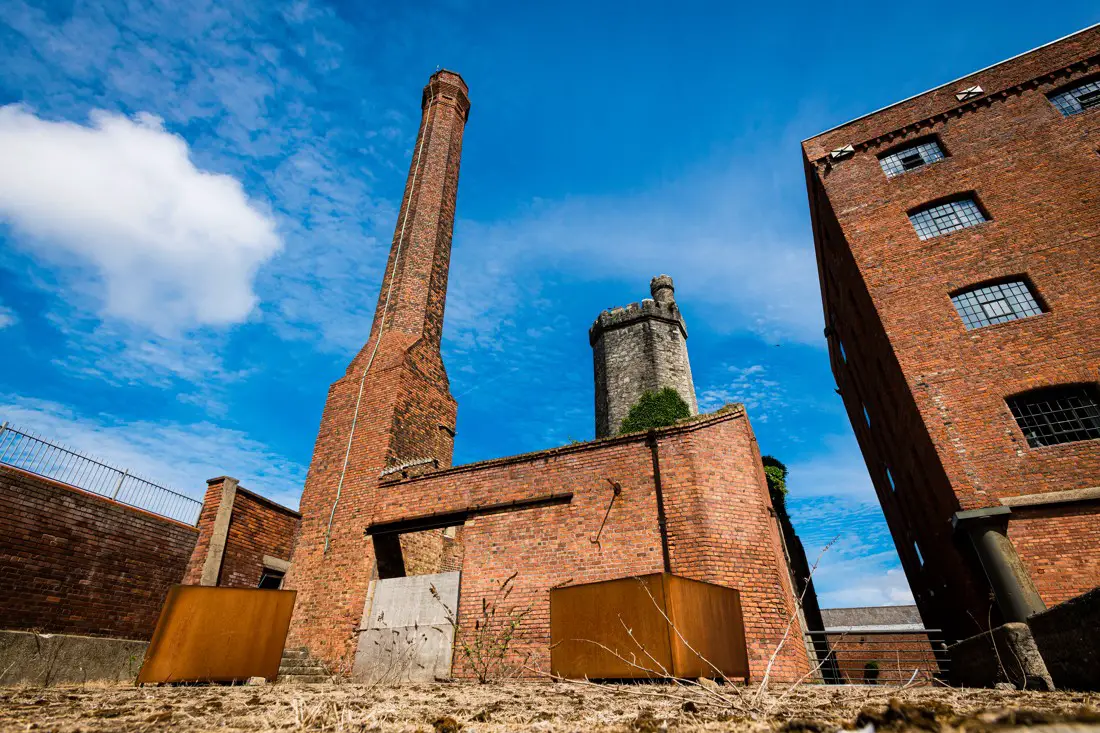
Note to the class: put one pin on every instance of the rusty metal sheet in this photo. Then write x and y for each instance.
(209, 634)
(589, 623)
(710, 622)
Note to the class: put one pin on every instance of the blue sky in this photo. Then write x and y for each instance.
(197, 198)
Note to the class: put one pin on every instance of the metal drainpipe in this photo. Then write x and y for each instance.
(1012, 586)
(662, 521)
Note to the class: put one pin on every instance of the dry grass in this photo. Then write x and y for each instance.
(541, 706)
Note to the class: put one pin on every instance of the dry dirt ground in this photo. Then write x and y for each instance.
(537, 706)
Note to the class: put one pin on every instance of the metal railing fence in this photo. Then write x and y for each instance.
(36, 455)
(880, 657)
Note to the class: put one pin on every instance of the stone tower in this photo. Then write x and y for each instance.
(393, 406)
(637, 348)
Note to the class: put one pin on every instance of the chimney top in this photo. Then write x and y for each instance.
(447, 87)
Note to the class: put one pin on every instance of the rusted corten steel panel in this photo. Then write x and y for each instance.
(677, 627)
(210, 634)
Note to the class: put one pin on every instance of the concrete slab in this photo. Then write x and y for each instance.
(1005, 654)
(49, 659)
(407, 634)
(1068, 638)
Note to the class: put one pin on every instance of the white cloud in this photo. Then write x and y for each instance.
(733, 267)
(832, 500)
(862, 588)
(839, 471)
(7, 317)
(748, 385)
(173, 246)
(179, 455)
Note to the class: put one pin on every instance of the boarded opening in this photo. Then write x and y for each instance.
(407, 633)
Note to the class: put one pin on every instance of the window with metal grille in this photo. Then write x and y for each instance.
(898, 162)
(995, 303)
(1077, 100)
(1055, 415)
(950, 216)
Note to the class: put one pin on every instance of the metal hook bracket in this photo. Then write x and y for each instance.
(616, 490)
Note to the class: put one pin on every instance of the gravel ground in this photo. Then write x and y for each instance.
(537, 706)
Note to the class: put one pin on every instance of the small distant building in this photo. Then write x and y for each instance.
(958, 243)
(880, 644)
(639, 348)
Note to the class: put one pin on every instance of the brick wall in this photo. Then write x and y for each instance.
(925, 396)
(258, 527)
(720, 527)
(1060, 546)
(897, 656)
(75, 563)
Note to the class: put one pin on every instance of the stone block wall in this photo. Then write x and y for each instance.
(639, 348)
(75, 563)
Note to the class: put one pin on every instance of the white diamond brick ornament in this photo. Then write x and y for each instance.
(841, 153)
(969, 93)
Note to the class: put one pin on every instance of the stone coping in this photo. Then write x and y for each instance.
(731, 411)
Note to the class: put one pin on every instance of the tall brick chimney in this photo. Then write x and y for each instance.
(393, 405)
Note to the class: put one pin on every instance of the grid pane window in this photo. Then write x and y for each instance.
(947, 217)
(897, 163)
(1057, 414)
(997, 303)
(1077, 100)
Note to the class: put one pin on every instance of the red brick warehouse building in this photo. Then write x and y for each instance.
(957, 243)
(382, 502)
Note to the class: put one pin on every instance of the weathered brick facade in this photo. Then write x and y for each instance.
(926, 396)
(76, 563)
(393, 406)
(639, 348)
(1061, 547)
(258, 528)
(720, 526)
(383, 455)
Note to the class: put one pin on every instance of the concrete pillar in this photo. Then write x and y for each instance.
(212, 566)
(1016, 595)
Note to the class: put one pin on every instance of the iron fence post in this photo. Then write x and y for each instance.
(118, 486)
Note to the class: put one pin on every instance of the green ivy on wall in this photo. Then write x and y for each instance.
(655, 410)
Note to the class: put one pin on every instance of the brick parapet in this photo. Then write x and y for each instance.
(732, 411)
(1048, 67)
(72, 562)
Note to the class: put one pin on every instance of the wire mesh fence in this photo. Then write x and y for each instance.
(880, 657)
(36, 455)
